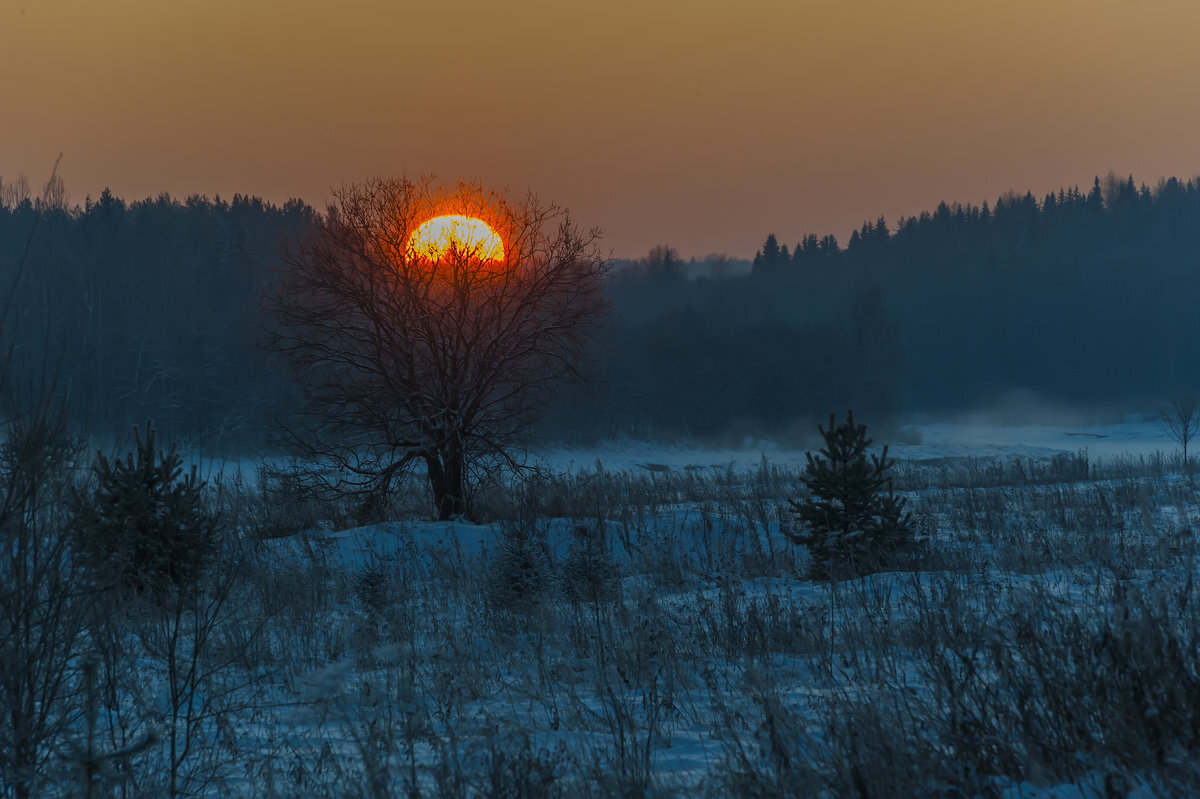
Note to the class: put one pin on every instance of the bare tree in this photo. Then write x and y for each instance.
(42, 607)
(406, 356)
(54, 195)
(199, 639)
(1181, 418)
(14, 192)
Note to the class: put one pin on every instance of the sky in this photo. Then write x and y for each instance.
(700, 124)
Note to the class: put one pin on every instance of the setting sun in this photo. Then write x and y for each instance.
(469, 236)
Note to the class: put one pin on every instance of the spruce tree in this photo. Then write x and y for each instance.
(521, 573)
(589, 573)
(143, 521)
(852, 521)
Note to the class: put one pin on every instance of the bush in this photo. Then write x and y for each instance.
(143, 525)
(515, 768)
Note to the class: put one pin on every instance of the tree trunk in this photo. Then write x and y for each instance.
(446, 479)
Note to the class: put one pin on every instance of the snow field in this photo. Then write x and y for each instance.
(651, 630)
(1044, 645)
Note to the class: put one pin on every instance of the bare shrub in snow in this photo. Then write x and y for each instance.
(43, 598)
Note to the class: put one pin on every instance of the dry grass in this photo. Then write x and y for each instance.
(655, 634)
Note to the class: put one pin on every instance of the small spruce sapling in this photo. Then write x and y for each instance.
(521, 572)
(589, 573)
(852, 522)
(144, 524)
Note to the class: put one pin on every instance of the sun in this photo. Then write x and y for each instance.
(468, 236)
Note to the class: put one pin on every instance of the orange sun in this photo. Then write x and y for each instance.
(469, 236)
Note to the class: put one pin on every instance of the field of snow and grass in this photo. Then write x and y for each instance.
(637, 622)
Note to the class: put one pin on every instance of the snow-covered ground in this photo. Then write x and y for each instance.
(395, 655)
(711, 668)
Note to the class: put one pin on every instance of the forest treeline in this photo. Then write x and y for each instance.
(1081, 297)
(147, 310)
(151, 310)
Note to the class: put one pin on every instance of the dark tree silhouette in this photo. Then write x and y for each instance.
(1181, 417)
(42, 606)
(852, 521)
(661, 263)
(405, 360)
(771, 257)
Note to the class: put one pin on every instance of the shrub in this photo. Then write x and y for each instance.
(515, 768)
(143, 523)
(372, 586)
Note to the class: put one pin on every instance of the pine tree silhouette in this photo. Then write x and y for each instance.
(852, 522)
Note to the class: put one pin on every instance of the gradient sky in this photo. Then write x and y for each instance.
(700, 124)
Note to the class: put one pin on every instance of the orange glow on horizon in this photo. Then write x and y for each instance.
(435, 239)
